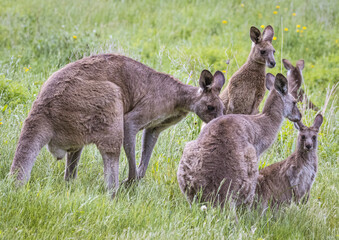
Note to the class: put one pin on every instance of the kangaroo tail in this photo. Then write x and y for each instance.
(34, 135)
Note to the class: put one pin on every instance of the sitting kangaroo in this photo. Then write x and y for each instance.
(222, 163)
(295, 79)
(105, 100)
(292, 178)
(246, 88)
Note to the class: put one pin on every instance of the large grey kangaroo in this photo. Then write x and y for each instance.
(222, 163)
(292, 178)
(105, 100)
(246, 88)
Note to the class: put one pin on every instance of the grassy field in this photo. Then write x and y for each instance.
(180, 38)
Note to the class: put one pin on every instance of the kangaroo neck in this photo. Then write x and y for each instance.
(269, 121)
(253, 64)
(186, 96)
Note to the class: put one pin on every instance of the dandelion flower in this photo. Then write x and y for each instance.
(285, 29)
(26, 70)
(336, 41)
(224, 71)
(278, 7)
(274, 38)
(312, 66)
(242, 5)
(224, 22)
(294, 14)
(275, 12)
(302, 31)
(298, 26)
(262, 26)
(304, 27)
(75, 37)
(1, 123)
(298, 30)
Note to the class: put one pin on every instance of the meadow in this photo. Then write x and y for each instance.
(180, 37)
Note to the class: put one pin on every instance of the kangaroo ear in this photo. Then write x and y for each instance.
(318, 121)
(281, 84)
(206, 79)
(269, 81)
(268, 34)
(299, 125)
(255, 35)
(287, 64)
(219, 80)
(300, 64)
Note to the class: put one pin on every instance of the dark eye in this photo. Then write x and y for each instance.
(303, 137)
(262, 52)
(314, 137)
(273, 51)
(210, 108)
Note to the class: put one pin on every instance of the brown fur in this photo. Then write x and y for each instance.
(246, 88)
(292, 178)
(106, 100)
(222, 162)
(295, 79)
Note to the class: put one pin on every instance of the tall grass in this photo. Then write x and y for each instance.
(181, 38)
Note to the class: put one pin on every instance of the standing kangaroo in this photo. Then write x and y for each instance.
(293, 177)
(246, 88)
(223, 162)
(106, 100)
(295, 79)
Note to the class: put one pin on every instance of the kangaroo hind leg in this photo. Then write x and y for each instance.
(72, 161)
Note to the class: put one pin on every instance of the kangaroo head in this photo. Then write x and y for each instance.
(294, 75)
(307, 138)
(280, 85)
(262, 49)
(209, 105)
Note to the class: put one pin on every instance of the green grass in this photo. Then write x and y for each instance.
(180, 38)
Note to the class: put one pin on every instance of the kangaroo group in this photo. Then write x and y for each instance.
(107, 99)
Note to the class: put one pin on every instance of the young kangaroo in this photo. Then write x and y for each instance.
(222, 162)
(105, 100)
(292, 178)
(295, 79)
(246, 88)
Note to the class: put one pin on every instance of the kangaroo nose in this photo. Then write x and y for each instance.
(273, 64)
(308, 146)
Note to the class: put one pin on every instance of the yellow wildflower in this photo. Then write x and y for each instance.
(336, 41)
(298, 30)
(302, 31)
(294, 14)
(312, 66)
(224, 71)
(285, 29)
(242, 5)
(298, 26)
(278, 7)
(224, 22)
(262, 26)
(75, 37)
(274, 38)
(304, 27)
(0, 123)
(275, 12)
(26, 70)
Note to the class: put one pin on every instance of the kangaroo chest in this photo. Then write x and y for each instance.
(301, 179)
(165, 120)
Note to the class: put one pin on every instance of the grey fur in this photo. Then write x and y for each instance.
(222, 162)
(292, 178)
(105, 100)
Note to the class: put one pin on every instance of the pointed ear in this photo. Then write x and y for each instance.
(318, 121)
(206, 79)
(281, 84)
(255, 35)
(300, 64)
(269, 81)
(287, 64)
(219, 80)
(268, 34)
(299, 125)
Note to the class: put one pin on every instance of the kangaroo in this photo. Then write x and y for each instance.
(105, 100)
(292, 178)
(222, 163)
(295, 79)
(246, 88)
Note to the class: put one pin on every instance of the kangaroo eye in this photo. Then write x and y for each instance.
(314, 137)
(303, 137)
(210, 108)
(273, 51)
(262, 52)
